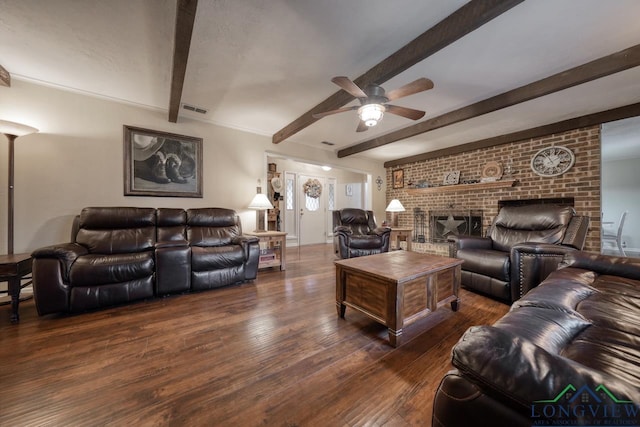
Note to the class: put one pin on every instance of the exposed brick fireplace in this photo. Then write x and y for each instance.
(579, 186)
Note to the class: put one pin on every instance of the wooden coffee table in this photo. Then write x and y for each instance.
(397, 288)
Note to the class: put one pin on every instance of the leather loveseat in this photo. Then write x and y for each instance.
(567, 353)
(119, 255)
(542, 233)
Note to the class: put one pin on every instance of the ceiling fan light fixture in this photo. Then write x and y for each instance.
(371, 114)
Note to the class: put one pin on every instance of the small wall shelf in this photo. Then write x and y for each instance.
(462, 187)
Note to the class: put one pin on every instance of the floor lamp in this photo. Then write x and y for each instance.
(12, 130)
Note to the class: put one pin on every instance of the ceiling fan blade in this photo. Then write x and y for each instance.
(362, 127)
(349, 86)
(409, 113)
(416, 86)
(339, 110)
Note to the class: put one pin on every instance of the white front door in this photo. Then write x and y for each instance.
(312, 210)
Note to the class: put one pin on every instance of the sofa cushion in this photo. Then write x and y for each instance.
(172, 224)
(93, 270)
(212, 227)
(117, 230)
(487, 262)
(517, 372)
(531, 223)
(216, 257)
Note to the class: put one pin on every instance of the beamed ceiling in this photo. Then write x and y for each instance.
(502, 69)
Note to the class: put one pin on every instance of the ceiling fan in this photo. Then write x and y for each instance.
(373, 101)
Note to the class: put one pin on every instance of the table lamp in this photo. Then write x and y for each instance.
(394, 207)
(260, 203)
(12, 130)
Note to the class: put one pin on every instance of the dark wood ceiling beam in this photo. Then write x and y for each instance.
(620, 113)
(5, 77)
(185, 17)
(611, 64)
(464, 20)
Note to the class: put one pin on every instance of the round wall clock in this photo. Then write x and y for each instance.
(552, 161)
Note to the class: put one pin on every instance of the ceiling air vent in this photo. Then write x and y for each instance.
(328, 143)
(194, 108)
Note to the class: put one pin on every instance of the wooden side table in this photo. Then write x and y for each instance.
(273, 248)
(13, 268)
(400, 234)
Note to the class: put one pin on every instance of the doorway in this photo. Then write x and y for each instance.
(312, 210)
(620, 181)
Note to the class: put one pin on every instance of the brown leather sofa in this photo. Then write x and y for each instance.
(123, 254)
(567, 353)
(542, 233)
(356, 233)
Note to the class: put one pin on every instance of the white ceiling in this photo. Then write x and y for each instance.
(258, 65)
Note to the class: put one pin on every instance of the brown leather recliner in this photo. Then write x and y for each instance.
(357, 234)
(523, 245)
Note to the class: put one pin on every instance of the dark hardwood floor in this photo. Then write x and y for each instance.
(272, 352)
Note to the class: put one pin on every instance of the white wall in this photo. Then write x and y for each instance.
(621, 192)
(76, 160)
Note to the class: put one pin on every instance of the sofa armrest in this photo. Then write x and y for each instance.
(603, 264)
(66, 253)
(513, 369)
(381, 231)
(531, 263)
(467, 242)
(342, 229)
(50, 273)
(251, 247)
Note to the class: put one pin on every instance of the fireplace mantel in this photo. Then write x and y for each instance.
(462, 187)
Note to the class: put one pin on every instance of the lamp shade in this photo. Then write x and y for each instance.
(15, 129)
(395, 206)
(260, 202)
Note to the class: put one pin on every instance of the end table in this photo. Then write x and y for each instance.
(275, 244)
(399, 234)
(13, 268)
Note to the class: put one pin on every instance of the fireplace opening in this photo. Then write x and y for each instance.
(444, 223)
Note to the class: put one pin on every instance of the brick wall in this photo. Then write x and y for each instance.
(582, 182)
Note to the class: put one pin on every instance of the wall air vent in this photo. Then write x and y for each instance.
(194, 108)
(328, 143)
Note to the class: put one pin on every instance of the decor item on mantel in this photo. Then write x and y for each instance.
(451, 178)
(260, 203)
(12, 131)
(394, 207)
(491, 171)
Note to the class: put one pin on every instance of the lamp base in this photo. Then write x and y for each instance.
(260, 222)
(394, 219)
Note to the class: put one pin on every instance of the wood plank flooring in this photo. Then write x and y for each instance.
(268, 353)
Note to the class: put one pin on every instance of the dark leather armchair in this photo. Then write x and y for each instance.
(523, 245)
(357, 234)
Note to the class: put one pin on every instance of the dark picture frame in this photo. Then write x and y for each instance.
(398, 178)
(161, 164)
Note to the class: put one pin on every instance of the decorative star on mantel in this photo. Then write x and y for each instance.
(450, 225)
